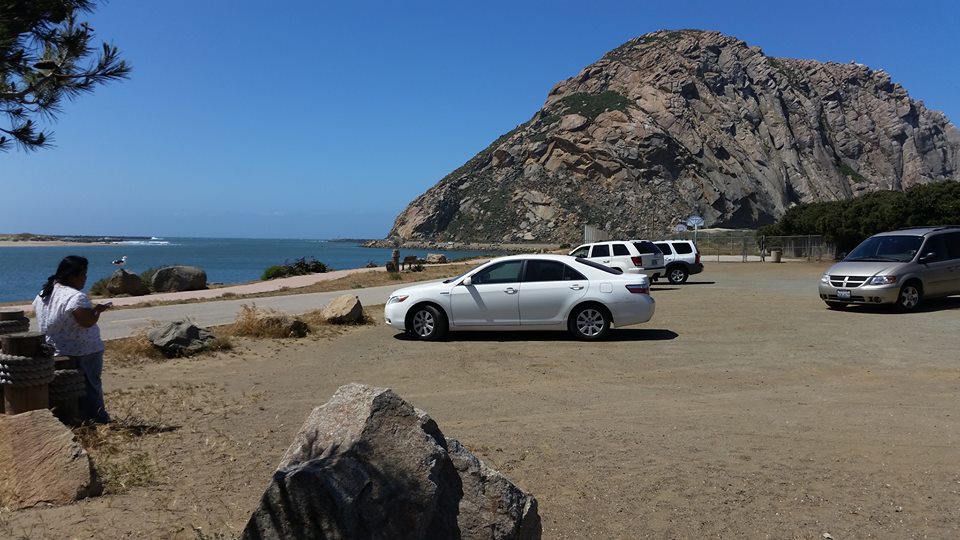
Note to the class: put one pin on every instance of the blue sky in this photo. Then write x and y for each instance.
(314, 119)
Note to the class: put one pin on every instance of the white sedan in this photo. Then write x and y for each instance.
(525, 292)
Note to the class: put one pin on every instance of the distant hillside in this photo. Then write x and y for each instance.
(680, 121)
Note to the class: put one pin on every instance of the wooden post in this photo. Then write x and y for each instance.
(20, 399)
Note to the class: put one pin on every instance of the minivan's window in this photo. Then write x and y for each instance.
(935, 245)
(581, 251)
(601, 250)
(953, 245)
(646, 247)
(620, 249)
(892, 248)
(683, 248)
(505, 272)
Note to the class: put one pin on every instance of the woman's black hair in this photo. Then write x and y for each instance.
(70, 266)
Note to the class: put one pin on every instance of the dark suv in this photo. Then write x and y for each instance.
(900, 267)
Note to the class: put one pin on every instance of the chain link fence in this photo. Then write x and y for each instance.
(752, 247)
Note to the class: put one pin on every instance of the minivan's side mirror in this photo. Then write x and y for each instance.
(466, 281)
(927, 257)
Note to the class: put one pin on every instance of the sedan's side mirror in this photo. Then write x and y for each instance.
(466, 281)
(927, 257)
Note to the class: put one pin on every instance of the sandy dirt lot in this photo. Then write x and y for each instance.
(744, 409)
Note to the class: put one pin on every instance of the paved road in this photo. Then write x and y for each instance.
(127, 322)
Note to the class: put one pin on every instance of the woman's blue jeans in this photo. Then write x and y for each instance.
(91, 404)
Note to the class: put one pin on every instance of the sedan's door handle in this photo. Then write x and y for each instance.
(606, 260)
(576, 287)
(510, 290)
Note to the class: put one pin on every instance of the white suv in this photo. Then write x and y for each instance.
(630, 256)
(681, 259)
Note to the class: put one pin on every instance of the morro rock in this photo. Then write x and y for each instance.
(676, 122)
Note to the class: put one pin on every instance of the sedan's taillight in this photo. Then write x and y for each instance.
(639, 289)
(637, 261)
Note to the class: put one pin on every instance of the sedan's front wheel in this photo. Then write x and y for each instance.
(428, 323)
(589, 323)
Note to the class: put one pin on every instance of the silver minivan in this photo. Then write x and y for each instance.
(900, 267)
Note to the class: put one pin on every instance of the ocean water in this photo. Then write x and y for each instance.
(24, 270)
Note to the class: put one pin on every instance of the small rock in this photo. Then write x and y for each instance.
(343, 309)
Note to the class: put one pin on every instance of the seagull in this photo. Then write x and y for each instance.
(120, 261)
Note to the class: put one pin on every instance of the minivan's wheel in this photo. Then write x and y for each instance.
(910, 296)
(835, 305)
(677, 274)
(589, 323)
(428, 323)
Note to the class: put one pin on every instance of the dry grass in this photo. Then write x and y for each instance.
(265, 323)
(257, 322)
(138, 349)
(131, 351)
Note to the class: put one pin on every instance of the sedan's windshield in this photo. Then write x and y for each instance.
(899, 248)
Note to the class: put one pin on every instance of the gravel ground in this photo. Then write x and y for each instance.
(744, 409)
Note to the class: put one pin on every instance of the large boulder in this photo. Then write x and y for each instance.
(368, 465)
(41, 462)
(123, 282)
(344, 309)
(436, 258)
(180, 338)
(179, 278)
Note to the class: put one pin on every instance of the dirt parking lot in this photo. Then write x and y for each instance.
(744, 409)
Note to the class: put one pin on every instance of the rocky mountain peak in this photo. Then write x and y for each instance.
(674, 122)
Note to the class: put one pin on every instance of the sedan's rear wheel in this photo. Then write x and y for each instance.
(589, 323)
(428, 323)
(677, 275)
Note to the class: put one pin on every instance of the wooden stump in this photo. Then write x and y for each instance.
(11, 315)
(20, 399)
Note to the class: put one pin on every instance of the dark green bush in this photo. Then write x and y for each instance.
(147, 277)
(591, 105)
(273, 272)
(847, 223)
(299, 267)
(100, 287)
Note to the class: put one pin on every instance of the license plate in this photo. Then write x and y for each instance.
(843, 294)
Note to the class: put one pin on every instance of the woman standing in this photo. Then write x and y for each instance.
(69, 320)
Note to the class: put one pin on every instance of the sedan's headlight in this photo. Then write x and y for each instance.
(397, 299)
(882, 280)
(825, 278)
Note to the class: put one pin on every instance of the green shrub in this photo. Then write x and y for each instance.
(591, 105)
(847, 223)
(100, 287)
(273, 272)
(147, 275)
(299, 267)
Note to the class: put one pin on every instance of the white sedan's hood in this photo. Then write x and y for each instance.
(415, 290)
